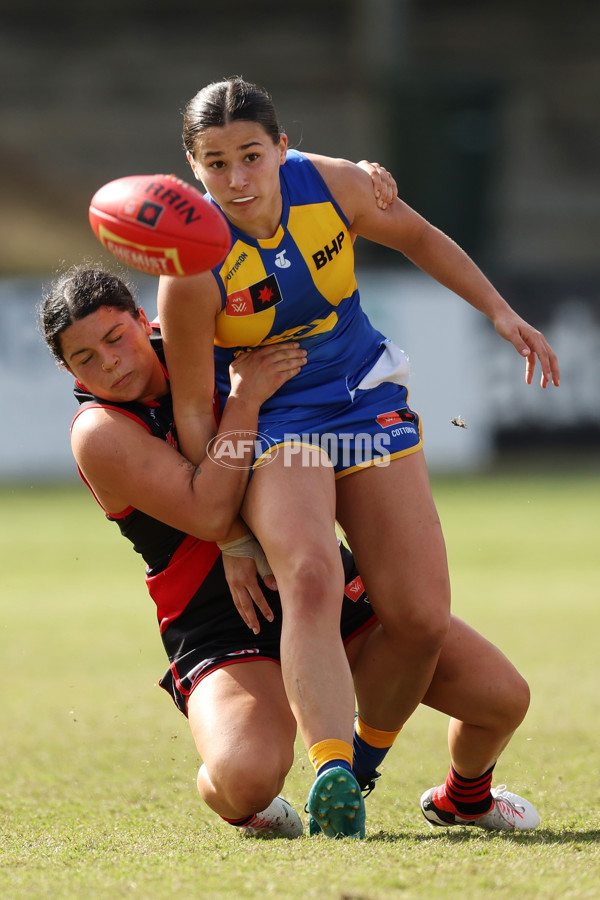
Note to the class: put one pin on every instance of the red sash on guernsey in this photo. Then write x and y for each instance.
(188, 567)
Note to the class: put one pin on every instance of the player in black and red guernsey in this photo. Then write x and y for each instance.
(224, 666)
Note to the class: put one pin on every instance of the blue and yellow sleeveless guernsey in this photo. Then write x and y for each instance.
(300, 285)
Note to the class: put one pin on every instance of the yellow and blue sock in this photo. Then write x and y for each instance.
(370, 746)
(330, 753)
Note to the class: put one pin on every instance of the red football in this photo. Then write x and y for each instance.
(159, 225)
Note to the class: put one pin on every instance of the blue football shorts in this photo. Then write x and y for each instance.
(374, 428)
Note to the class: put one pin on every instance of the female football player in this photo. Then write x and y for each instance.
(348, 444)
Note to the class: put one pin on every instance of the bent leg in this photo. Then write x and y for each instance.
(487, 699)
(393, 528)
(244, 731)
(484, 694)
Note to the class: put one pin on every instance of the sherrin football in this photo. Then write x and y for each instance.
(160, 225)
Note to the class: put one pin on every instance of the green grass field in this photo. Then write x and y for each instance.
(98, 796)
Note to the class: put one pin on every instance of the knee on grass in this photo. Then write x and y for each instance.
(242, 785)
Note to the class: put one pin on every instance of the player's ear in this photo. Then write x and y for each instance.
(192, 163)
(283, 145)
(143, 318)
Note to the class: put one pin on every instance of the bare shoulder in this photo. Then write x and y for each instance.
(119, 458)
(350, 184)
(98, 432)
(336, 168)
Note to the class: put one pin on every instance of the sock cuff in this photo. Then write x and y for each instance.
(470, 797)
(383, 740)
(461, 778)
(239, 822)
(324, 751)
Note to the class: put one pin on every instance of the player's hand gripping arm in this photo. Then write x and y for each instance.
(384, 184)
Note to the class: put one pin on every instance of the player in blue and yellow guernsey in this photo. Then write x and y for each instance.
(266, 285)
(342, 440)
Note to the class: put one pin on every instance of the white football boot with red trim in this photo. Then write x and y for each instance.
(279, 819)
(509, 812)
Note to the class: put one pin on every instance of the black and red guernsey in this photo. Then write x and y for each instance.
(176, 563)
(200, 627)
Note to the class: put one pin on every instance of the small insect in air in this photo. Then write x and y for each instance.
(459, 422)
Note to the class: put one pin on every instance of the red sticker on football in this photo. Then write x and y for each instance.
(159, 225)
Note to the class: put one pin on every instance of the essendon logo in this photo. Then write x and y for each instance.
(145, 212)
(262, 295)
(395, 416)
(355, 589)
